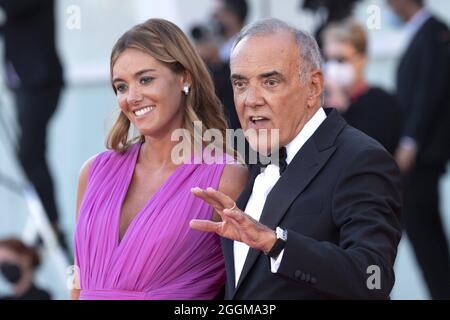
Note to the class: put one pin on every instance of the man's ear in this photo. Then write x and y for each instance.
(316, 87)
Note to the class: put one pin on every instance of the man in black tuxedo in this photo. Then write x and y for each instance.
(423, 83)
(323, 222)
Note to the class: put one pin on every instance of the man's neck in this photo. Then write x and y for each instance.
(305, 133)
(412, 11)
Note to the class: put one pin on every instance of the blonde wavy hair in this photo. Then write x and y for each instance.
(165, 42)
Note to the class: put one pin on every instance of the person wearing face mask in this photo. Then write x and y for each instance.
(423, 90)
(369, 109)
(229, 17)
(18, 263)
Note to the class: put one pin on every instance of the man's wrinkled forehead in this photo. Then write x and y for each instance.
(277, 50)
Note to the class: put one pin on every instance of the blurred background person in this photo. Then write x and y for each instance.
(207, 46)
(327, 12)
(369, 109)
(35, 76)
(423, 86)
(230, 17)
(18, 262)
(213, 41)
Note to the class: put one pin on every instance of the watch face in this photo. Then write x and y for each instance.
(281, 234)
(279, 244)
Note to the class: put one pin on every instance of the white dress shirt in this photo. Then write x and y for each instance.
(264, 183)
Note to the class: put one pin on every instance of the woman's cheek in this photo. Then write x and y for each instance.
(122, 103)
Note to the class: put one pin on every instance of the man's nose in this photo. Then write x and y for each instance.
(253, 97)
(134, 96)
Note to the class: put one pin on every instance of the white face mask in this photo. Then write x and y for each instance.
(340, 74)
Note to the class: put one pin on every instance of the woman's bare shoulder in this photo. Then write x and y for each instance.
(82, 180)
(234, 178)
(85, 168)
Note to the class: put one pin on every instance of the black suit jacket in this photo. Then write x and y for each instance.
(29, 38)
(377, 114)
(423, 90)
(339, 199)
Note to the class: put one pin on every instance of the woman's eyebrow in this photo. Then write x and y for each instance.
(144, 71)
(137, 74)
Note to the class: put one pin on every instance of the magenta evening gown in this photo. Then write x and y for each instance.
(160, 256)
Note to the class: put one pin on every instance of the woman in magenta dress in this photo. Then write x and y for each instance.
(132, 238)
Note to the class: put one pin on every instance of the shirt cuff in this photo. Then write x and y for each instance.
(408, 142)
(275, 263)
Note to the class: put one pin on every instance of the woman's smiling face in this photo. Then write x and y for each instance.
(149, 93)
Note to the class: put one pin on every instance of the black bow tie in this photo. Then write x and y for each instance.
(282, 163)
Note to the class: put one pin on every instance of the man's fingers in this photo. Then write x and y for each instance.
(220, 197)
(205, 225)
(235, 214)
(215, 198)
(202, 194)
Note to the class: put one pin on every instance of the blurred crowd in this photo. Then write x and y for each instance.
(412, 123)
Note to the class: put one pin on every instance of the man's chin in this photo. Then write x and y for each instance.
(262, 147)
(264, 141)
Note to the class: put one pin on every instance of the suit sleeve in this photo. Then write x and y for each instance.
(425, 104)
(366, 212)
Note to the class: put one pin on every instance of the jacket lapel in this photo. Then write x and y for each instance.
(409, 50)
(306, 164)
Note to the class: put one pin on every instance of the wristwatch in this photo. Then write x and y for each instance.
(279, 244)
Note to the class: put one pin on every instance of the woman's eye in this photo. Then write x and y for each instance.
(146, 80)
(121, 87)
